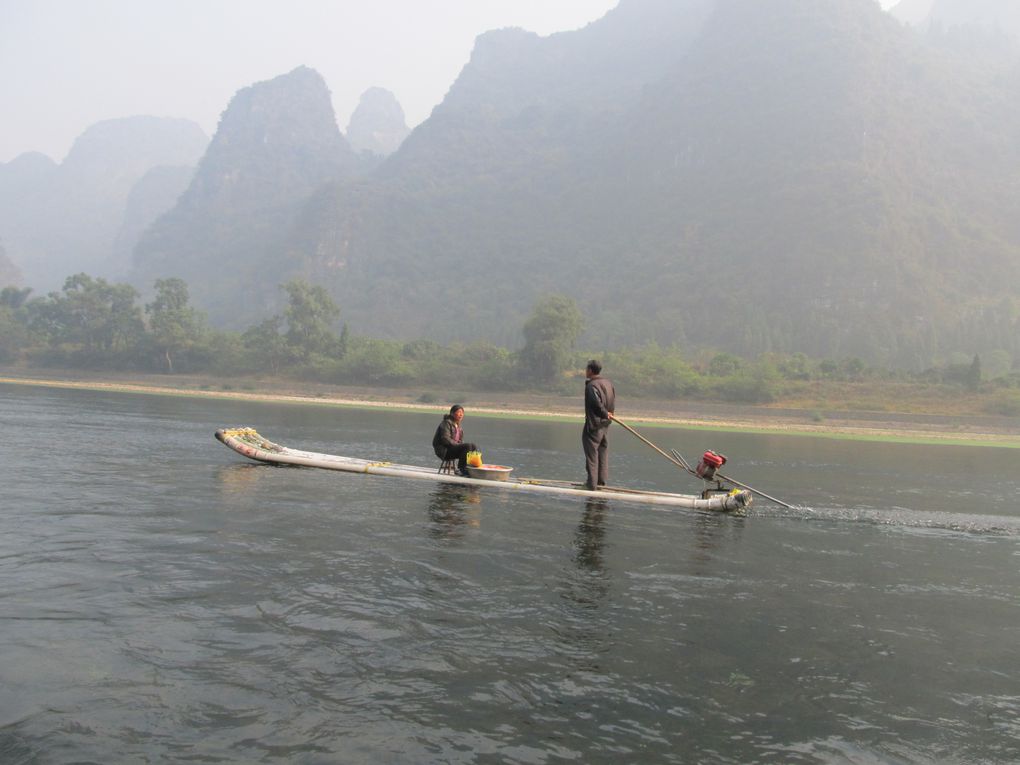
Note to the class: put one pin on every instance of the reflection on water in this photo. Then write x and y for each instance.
(590, 537)
(710, 530)
(239, 478)
(584, 626)
(453, 508)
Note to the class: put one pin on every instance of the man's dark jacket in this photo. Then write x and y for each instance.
(599, 401)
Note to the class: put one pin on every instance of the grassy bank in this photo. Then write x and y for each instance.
(960, 428)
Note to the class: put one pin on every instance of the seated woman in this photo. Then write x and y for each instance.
(448, 442)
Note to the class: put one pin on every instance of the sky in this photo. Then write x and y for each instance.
(67, 64)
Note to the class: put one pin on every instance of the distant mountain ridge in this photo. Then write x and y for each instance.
(1002, 16)
(60, 219)
(378, 125)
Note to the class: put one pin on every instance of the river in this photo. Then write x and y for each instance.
(165, 600)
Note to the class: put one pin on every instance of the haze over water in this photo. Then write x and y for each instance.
(166, 601)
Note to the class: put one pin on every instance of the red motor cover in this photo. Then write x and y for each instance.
(713, 459)
(710, 462)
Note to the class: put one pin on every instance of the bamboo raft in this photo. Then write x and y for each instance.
(249, 443)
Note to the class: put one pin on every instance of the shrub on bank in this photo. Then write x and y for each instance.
(1005, 403)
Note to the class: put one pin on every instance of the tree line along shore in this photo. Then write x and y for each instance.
(96, 330)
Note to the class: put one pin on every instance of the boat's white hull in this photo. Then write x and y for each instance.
(248, 442)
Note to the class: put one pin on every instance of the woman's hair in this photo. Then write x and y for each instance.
(595, 367)
(455, 408)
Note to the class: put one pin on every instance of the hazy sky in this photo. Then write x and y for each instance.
(67, 64)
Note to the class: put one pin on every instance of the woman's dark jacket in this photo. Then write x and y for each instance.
(446, 436)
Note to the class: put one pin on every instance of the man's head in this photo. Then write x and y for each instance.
(594, 369)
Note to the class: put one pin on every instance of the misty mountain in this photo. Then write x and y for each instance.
(24, 184)
(801, 175)
(276, 144)
(913, 12)
(482, 209)
(377, 125)
(797, 175)
(967, 24)
(60, 219)
(154, 194)
(1001, 15)
(849, 195)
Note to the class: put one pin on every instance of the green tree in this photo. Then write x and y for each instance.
(98, 317)
(974, 373)
(14, 298)
(267, 344)
(173, 324)
(549, 337)
(726, 365)
(311, 316)
(14, 333)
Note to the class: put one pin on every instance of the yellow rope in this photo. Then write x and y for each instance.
(239, 432)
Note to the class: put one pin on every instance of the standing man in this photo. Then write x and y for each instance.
(599, 405)
(448, 442)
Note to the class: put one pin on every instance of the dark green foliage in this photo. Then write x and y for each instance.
(302, 338)
(14, 331)
(266, 345)
(1006, 403)
(174, 326)
(375, 362)
(974, 373)
(311, 315)
(91, 321)
(14, 298)
(549, 337)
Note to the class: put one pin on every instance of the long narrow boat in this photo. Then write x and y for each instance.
(248, 442)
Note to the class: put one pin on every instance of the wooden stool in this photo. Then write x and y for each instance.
(448, 466)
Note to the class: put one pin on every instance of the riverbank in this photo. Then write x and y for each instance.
(969, 430)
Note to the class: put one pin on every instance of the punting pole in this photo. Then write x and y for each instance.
(641, 438)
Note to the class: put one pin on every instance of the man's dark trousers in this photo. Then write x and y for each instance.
(596, 455)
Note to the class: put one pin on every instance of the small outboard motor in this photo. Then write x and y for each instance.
(710, 462)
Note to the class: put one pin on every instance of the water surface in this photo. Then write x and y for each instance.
(166, 601)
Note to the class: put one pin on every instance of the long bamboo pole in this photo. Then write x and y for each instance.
(641, 438)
